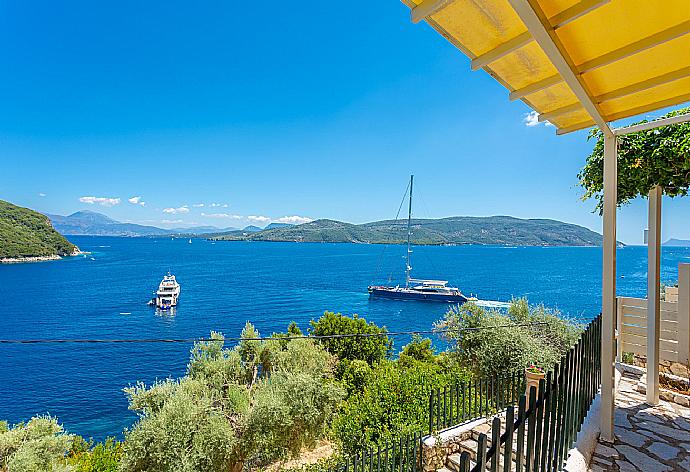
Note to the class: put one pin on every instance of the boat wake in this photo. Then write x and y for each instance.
(492, 304)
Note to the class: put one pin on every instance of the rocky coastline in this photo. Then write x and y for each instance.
(25, 259)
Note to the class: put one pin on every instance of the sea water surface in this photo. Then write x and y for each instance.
(225, 284)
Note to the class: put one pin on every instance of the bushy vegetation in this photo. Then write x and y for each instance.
(646, 159)
(25, 233)
(391, 399)
(39, 445)
(243, 407)
(101, 457)
(372, 348)
(489, 342)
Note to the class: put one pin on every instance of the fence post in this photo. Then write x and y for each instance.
(495, 443)
(508, 446)
(684, 313)
(553, 389)
(519, 459)
(531, 422)
(481, 452)
(465, 462)
(540, 424)
(431, 411)
(445, 406)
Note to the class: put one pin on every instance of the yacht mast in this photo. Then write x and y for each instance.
(408, 270)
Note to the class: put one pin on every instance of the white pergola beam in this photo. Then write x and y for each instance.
(609, 58)
(672, 120)
(560, 19)
(428, 8)
(644, 85)
(535, 87)
(621, 92)
(548, 116)
(608, 295)
(653, 294)
(548, 41)
(501, 51)
(643, 44)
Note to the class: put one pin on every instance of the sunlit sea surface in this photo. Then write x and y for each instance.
(225, 284)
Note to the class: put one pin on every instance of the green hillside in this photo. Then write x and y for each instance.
(493, 230)
(26, 233)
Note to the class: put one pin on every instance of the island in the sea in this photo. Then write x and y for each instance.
(492, 230)
(29, 236)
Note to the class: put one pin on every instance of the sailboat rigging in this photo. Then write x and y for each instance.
(418, 289)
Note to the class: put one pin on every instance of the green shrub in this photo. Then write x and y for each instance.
(370, 349)
(394, 401)
(628, 358)
(355, 376)
(37, 446)
(417, 350)
(103, 457)
(239, 407)
(498, 343)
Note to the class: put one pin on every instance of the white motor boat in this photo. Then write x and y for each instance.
(168, 293)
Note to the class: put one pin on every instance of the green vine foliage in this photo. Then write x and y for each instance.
(646, 159)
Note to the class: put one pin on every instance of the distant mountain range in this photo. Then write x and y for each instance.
(492, 230)
(678, 242)
(91, 223)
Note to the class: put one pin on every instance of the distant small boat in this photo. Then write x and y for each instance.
(190, 241)
(167, 294)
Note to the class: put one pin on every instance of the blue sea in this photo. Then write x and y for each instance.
(225, 284)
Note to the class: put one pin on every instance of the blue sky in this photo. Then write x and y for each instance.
(270, 110)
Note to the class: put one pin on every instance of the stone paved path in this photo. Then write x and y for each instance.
(648, 439)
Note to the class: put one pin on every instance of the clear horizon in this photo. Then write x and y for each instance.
(147, 112)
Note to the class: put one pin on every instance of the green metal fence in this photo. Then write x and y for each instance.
(402, 455)
(545, 428)
(467, 401)
(537, 440)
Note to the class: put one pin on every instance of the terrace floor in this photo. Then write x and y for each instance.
(648, 439)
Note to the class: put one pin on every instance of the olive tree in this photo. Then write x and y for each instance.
(237, 407)
(491, 342)
(40, 445)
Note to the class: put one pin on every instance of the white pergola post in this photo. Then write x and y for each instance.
(653, 295)
(608, 292)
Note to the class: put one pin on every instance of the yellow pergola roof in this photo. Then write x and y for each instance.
(578, 63)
